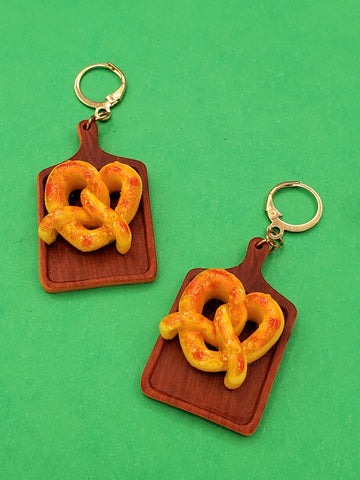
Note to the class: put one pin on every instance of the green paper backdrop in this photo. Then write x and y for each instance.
(224, 100)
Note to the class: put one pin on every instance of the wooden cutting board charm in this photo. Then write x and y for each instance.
(222, 343)
(95, 223)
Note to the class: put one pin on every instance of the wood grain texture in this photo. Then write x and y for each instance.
(169, 378)
(64, 268)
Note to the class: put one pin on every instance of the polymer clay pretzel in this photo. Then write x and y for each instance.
(196, 331)
(95, 224)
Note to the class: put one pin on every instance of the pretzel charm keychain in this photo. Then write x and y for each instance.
(85, 207)
(222, 343)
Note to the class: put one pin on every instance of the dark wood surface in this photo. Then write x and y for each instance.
(169, 378)
(63, 267)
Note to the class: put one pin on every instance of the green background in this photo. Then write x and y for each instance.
(225, 99)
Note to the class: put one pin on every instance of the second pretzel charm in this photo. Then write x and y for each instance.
(226, 320)
(170, 377)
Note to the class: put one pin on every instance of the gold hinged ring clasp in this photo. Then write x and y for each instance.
(276, 229)
(102, 109)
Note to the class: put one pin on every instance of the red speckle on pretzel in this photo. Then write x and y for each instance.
(86, 241)
(198, 354)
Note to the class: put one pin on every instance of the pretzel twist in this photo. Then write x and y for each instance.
(95, 224)
(195, 331)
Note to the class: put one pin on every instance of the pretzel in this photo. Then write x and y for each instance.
(95, 224)
(195, 331)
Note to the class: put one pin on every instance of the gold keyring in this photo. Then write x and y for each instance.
(274, 214)
(102, 109)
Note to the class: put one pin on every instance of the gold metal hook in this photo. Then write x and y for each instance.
(102, 109)
(271, 235)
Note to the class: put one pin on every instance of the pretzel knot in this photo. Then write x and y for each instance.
(95, 224)
(196, 331)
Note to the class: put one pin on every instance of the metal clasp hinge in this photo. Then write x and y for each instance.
(102, 109)
(276, 229)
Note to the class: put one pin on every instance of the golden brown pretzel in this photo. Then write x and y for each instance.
(95, 224)
(196, 331)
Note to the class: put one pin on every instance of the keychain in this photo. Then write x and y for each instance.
(222, 343)
(95, 223)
